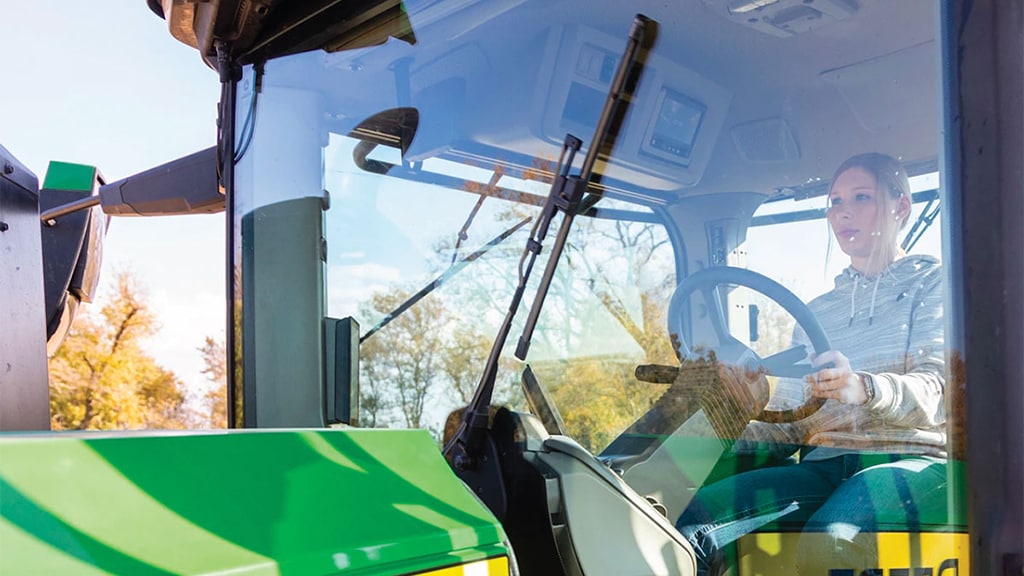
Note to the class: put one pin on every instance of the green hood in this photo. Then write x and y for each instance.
(245, 502)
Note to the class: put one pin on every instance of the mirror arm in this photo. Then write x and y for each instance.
(187, 185)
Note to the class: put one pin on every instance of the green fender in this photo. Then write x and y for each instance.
(239, 502)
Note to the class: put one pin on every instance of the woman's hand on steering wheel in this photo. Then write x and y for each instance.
(838, 382)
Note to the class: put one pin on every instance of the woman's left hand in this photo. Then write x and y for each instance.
(839, 382)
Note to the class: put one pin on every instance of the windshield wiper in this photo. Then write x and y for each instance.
(453, 269)
(928, 215)
(566, 196)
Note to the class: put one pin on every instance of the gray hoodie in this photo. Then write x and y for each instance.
(891, 327)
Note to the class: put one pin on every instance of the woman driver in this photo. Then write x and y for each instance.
(874, 453)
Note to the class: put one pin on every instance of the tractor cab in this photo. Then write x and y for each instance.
(569, 287)
(542, 230)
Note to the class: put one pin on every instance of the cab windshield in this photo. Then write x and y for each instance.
(796, 142)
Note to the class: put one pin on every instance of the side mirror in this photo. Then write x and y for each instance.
(75, 204)
(71, 248)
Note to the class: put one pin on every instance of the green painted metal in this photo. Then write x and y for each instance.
(67, 176)
(239, 502)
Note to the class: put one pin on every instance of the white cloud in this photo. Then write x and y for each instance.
(350, 285)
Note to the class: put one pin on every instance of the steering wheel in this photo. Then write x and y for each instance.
(730, 350)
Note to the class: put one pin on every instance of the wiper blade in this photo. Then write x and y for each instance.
(566, 196)
(452, 270)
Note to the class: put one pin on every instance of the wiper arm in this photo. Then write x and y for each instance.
(570, 200)
(921, 225)
(452, 270)
(464, 231)
(566, 195)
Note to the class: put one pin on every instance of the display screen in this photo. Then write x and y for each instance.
(675, 126)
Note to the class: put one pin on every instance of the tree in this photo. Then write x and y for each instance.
(215, 369)
(600, 252)
(425, 358)
(618, 270)
(617, 278)
(406, 355)
(463, 362)
(598, 397)
(101, 378)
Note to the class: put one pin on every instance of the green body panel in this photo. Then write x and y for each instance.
(67, 176)
(239, 502)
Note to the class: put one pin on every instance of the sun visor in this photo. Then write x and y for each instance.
(883, 106)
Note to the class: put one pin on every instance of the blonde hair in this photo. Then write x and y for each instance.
(892, 183)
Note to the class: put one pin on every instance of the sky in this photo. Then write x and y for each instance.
(105, 84)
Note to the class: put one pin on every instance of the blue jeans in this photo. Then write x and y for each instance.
(847, 497)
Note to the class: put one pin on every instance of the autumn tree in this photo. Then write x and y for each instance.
(615, 282)
(615, 277)
(425, 358)
(215, 369)
(101, 378)
(406, 355)
(463, 362)
(608, 256)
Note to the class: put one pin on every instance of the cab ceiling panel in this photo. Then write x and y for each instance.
(735, 94)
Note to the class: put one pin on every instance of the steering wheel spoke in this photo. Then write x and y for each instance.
(713, 302)
(788, 363)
